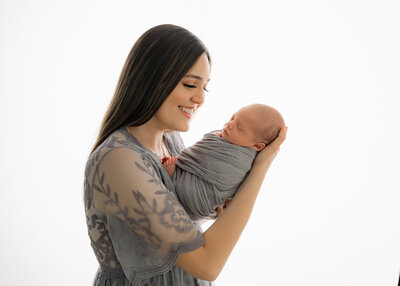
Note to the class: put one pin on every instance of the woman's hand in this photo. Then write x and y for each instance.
(268, 154)
(220, 209)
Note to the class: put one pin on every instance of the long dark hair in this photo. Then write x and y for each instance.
(155, 65)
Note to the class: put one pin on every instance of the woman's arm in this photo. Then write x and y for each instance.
(207, 261)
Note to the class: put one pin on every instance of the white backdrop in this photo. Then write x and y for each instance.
(328, 213)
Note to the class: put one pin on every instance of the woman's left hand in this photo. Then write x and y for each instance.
(220, 209)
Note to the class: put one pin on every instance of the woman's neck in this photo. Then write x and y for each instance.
(149, 135)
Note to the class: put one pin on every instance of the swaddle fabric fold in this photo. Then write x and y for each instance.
(208, 173)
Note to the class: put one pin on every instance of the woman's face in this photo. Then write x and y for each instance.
(177, 110)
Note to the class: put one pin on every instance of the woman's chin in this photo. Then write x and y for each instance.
(185, 129)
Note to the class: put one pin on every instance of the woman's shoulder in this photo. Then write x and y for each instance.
(120, 140)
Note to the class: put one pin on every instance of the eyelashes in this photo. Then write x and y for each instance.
(194, 86)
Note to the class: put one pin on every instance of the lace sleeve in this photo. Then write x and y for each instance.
(148, 227)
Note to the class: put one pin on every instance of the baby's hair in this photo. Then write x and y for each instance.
(273, 123)
(270, 132)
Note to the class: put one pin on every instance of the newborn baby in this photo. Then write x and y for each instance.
(208, 173)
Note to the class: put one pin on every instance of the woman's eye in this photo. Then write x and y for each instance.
(193, 86)
(189, 85)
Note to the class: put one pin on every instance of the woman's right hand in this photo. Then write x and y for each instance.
(268, 154)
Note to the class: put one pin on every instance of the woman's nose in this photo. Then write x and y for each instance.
(198, 98)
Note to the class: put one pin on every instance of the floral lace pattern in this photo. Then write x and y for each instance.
(135, 223)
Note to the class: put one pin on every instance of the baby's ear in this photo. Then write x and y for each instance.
(258, 146)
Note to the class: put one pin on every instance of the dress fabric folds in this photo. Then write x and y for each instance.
(136, 225)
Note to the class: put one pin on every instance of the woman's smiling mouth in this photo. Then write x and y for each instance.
(188, 111)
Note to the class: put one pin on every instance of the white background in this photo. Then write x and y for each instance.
(328, 213)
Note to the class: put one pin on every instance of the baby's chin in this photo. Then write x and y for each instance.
(223, 136)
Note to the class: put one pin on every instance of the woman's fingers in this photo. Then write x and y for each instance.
(219, 210)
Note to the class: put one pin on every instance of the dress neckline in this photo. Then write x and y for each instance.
(137, 141)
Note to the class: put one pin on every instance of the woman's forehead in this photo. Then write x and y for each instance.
(200, 70)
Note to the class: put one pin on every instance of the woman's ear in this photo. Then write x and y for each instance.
(258, 146)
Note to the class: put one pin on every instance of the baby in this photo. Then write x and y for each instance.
(208, 173)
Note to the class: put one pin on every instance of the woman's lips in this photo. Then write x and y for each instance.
(185, 114)
(187, 111)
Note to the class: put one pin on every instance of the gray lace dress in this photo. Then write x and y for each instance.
(136, 226)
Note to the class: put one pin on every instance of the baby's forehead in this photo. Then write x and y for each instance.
(250, 118)
(258, 116)
(246, 111)
(253, 112)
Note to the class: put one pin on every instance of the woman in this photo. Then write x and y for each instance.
(139, 232)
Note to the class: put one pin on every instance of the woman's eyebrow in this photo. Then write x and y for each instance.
(195, 77)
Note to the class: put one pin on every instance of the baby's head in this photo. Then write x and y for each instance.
(253, 126)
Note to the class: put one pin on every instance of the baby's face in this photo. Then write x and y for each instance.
(239, 130)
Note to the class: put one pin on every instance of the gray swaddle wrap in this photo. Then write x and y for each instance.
(208, 173)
